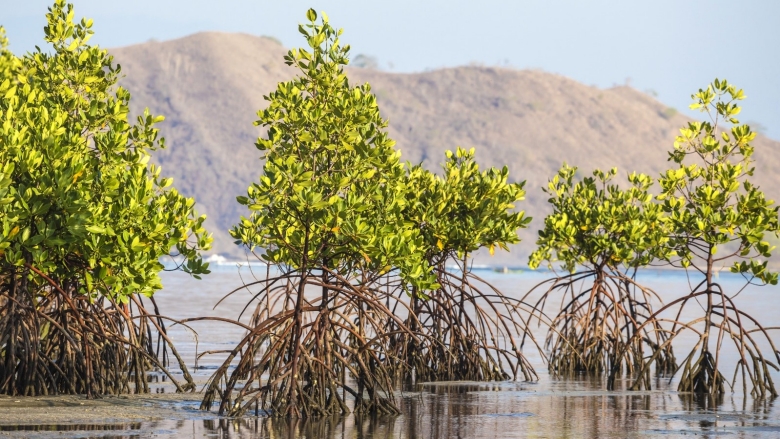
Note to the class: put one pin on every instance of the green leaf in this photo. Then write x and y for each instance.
(96, 229)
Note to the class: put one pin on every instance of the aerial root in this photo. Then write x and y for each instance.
(607, 327)
(57, 341)
(700, 371)
(464, 331)
(307, 358)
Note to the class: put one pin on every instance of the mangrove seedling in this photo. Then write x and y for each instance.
(607, 231)
(718, 217)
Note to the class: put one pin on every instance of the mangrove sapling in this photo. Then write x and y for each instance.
(606, 230)
(718, 216)
(327, 215)
(465, 329)
(84, 223)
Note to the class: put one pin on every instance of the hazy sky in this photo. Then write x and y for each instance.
(670, 47)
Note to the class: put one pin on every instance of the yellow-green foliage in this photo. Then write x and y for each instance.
(79, 200)
(332, 189)
(709, 198)
(600, 225)
(712, 205)
(465, 210)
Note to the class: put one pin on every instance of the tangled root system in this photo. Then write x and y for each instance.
(465, 330)
(54, 340)
(700, 371)
(604, 326)
(314, 343)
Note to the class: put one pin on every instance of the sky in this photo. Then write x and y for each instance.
(669, 48)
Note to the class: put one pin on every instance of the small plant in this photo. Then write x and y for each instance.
(610, 232)
(85, 220)
(465, 329)
(716, 217)
(327, 214)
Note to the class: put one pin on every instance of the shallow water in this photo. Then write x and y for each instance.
(554, 408)
(573, 408)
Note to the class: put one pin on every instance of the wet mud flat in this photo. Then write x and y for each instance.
(550, 409)
(110, 416)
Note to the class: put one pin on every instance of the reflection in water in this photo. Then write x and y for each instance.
(335, 427)
(73, 427)
(128, 430)
(570, 408)
(701, 403)
(575, 407)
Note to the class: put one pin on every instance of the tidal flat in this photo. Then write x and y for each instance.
(577, 406)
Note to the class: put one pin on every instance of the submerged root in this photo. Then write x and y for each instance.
(56, 341)
(722, 321)
(701, 376)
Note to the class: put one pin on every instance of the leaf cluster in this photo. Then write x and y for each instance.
(332, 191)
(466, 209)
(78, 197)
(597, 224)
(709, 199)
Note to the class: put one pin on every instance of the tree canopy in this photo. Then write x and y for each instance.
(466, 209)
(79, 200)
(332, 190)
(598, 224)
(709, 198)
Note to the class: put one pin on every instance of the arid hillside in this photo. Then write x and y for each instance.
(210, 86)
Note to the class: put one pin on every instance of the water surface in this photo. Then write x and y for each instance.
(551, 408)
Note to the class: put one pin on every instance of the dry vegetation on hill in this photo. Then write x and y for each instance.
(210, 85)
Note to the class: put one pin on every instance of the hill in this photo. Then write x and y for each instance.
(210, 86)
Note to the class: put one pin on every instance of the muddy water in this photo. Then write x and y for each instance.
(552, 408)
